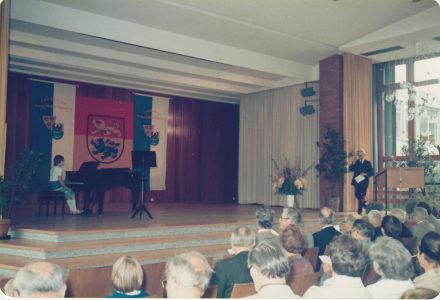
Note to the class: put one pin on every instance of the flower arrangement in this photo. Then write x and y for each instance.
(289, 180)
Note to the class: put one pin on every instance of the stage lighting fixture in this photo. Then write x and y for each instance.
(308, 91)
(307, 110)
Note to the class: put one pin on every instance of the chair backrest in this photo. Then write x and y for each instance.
(301, 283)
(312, 255)
(211, 292)
(410, 243)
(241, 290)
(369, 276)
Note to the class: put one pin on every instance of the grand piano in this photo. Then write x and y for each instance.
(94, 182)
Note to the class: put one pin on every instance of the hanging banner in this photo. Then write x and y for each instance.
(150, 134)
(103, 132)
(52, 110)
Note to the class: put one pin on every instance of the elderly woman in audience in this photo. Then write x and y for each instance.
(392, 261)
(265, 232)
(127, 277)
(293, 242)
(187, 275)
(375, 219)
(269, 266)
(347, 265)
(429, 259)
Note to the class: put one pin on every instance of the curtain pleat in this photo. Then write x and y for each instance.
(271, 127)
(4, 53)
(358, 117)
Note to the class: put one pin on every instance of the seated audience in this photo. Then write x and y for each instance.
(392, 227)
(375, 219)
(429, 259)
(422, 226)
(187, 275)
(293, 242)
(431, 219)
(265, 232)
(419, 293)
(401, 215)
(289, 216)
(234, 269)
(347, 265)
(127, 277)
(269, 266)
(39, 280)
(323, 237)
(392, 262)
(349, 220)
(363, 231)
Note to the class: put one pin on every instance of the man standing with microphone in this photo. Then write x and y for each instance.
(363, 170)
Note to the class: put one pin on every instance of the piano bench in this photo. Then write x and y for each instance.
(51, 196)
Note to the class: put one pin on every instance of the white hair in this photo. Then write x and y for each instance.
(375, 218)
(189, 268)
(40, 277)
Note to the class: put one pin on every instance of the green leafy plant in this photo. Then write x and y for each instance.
(333, 160)
(12, 189)
(416, 154)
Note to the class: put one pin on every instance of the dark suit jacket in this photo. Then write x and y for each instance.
(361, 167)
(323, 237)
(406, 233)
(229, 271)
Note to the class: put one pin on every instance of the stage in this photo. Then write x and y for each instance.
(87, 246)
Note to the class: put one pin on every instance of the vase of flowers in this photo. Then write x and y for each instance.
(289, 180)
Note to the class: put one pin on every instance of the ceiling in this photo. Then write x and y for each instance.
(210, 49)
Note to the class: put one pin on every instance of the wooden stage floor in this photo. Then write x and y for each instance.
(118, 216)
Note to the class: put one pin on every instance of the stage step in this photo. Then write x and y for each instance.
(47, 250)
(110, 234)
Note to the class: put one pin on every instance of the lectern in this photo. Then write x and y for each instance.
(401, 178)
(143, 160)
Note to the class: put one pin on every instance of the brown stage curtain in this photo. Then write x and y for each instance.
(4, 52)
(358, 116)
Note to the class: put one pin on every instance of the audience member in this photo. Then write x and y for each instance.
(234, 269)
(8, 289)
(323, 237)
(265, 232)
(429, 259)
(127, 277)
(39, 280)
(375, 219)
(422, 226)
(392, 227)
(269, 266)
(431, 219)
(419, 293)
(349, 220)
(187, 275)
(363, 231)
(289, 216)
(347, 264)
(392, 261)
(293, 242)
(401, 215)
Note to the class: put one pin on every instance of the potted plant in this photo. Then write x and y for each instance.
(13, 188)
(333, 163)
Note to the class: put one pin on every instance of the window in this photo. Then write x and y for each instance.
(408, 94)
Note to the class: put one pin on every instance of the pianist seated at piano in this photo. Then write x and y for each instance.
(56, 183)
